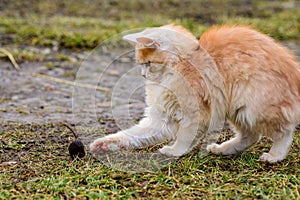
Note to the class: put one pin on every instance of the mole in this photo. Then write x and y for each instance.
(76, 147)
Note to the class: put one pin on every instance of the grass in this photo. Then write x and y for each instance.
(26, 54)
(78, 24)
(45, 170)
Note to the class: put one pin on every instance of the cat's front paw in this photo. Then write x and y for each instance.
(270, 158)
(213, 148)
(102, 145)
(169, 151)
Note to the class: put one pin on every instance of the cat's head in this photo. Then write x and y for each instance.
(157, 48)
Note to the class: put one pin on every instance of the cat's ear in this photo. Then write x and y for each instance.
(139, 38)
(147, 42)
(132, 37)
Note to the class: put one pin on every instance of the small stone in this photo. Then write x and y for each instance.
(125, 60)
(46, 51)
(105, 104)
(113, 72)
(15, 98)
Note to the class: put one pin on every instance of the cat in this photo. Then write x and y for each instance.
(232, 73)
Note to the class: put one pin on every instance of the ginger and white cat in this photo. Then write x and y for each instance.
(233, 73)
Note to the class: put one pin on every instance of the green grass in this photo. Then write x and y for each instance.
(81, 24)
(45, 170)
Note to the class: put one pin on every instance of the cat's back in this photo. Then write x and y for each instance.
(228, 41)
(258, 73)
(244, 50)
(217, 38)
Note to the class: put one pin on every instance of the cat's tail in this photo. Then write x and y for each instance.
(208, 70)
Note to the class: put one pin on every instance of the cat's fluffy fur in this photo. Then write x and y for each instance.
(233, 72)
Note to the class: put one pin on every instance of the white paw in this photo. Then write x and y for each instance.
(270, 158)
(213, 148)
(102, 145)
(169, 151)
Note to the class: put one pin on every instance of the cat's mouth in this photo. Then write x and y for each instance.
(145, 69)
(146, 64)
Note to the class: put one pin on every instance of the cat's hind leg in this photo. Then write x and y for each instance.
(280, 148)
(242, 140)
